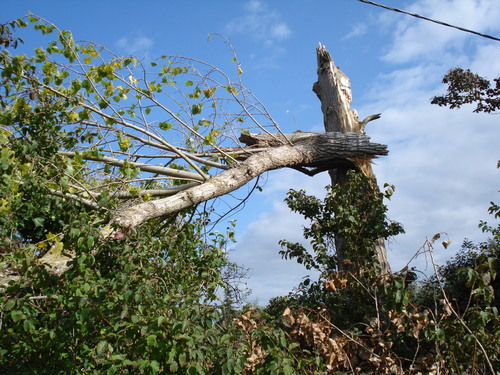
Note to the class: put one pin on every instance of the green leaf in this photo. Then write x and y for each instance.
(161, 320)
(182, 360)
(209, 92)
(439, 333)
(38, 221)
(196, 108)
(124, 312)
(73, 117)
(231, 90)
(165, 125)
(16, 315)
(155, 366)
(101, 347)
(195, 94)
(124, 143)
(288, 370)
(9, 305)
(174, 367)
(151, 340)
(29, 326)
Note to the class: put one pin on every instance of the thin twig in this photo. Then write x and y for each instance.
(459, 318)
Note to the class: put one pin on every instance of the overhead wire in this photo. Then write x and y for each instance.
(430, 19)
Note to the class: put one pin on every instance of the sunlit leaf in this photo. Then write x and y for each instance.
(165, 125)
(196, 108)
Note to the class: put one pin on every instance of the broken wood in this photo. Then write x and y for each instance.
(306, 150)
(333, 89)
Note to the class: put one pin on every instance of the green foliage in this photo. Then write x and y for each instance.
(353, 212)
(466, 271)
(137, 304)
(140, 302)
(106, 99)
(465, 87)
(29, 172)
(352, 316)
(6, 29)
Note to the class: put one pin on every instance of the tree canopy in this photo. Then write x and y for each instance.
(466, 87)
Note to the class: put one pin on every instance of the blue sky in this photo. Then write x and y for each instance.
(442, 162)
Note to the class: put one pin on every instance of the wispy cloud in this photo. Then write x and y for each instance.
(257, 248)
(261, 24)
(442, 161)
(357, 30)
(136, 45)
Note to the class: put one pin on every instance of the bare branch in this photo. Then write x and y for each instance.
(86, 202)
(176, 173)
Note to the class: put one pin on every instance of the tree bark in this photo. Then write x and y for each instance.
(333, 89)
(304, 150)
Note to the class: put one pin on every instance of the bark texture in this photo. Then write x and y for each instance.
(333, 89)
(305, 150)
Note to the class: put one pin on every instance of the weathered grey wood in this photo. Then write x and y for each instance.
(333, 89)
(313, 150)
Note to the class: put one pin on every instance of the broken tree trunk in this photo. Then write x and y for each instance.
(333, 89)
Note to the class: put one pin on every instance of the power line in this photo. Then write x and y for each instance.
(430, 19)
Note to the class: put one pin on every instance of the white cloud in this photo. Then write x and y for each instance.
(260, 23)
(255, 6)
(135, 45)
(442, 161)
(487, 61)
(257, 249)
(285, 179)
(280, 31)
(416, 38)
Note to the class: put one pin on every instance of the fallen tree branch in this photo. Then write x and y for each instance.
(312, 150)
(320, 151)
